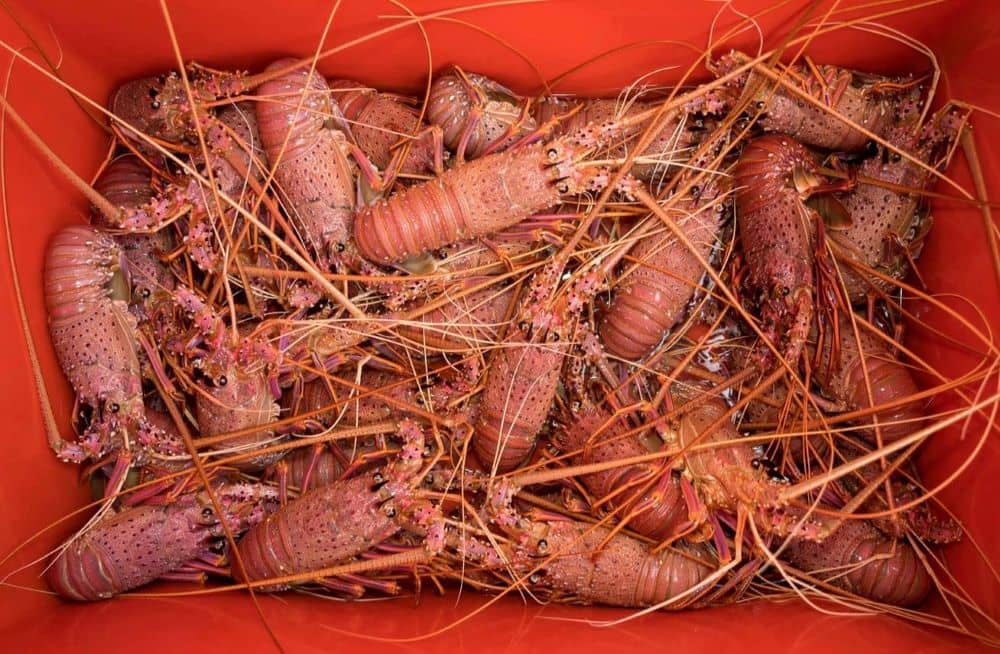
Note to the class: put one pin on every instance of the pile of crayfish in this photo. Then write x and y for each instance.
(639, 351)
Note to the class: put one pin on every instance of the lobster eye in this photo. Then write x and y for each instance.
(223, 380)
(114, 407)
(695, 192)
(390, 511)
(153, 92)
(759, 104)
(341, 247)
(154, 104)
(145, 293)
(553, 337)
(562, 187)
(543, 545)
(755, 464)
(206, 512)
(552, 153)
(378, 478)
(524, 326)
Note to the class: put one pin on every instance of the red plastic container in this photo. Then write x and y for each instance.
(102, 44)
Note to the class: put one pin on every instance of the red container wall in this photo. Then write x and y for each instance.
(97, 45)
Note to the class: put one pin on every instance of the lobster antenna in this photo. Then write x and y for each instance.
(78, 182)
(48, 416)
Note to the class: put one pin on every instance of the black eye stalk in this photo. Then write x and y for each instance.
(763, 463)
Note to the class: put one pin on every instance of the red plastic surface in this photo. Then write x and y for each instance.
(101, 44)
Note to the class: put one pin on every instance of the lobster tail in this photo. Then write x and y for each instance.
(889, 380)
(126, 182)
(860, 560)
(652, 298)
(657, 511)
(520, 387)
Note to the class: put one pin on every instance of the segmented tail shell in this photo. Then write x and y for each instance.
(312, 170)
(79, 265)
(381, 120)
(859, 559)
(324, 527)
(652, 298)
(890, 381)
(461, 103)
(520, 388)
(127, 550)
(599, 438)
(475, 199)
(125, 182)
(327, 467)
(591, 568)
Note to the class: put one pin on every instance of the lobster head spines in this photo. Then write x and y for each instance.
(801, 103)
(154, 106)
(141, 543)
(777, 230)
(321, 528)
(237, 400)
(782, 281)
(244, 505)
(726, 470)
